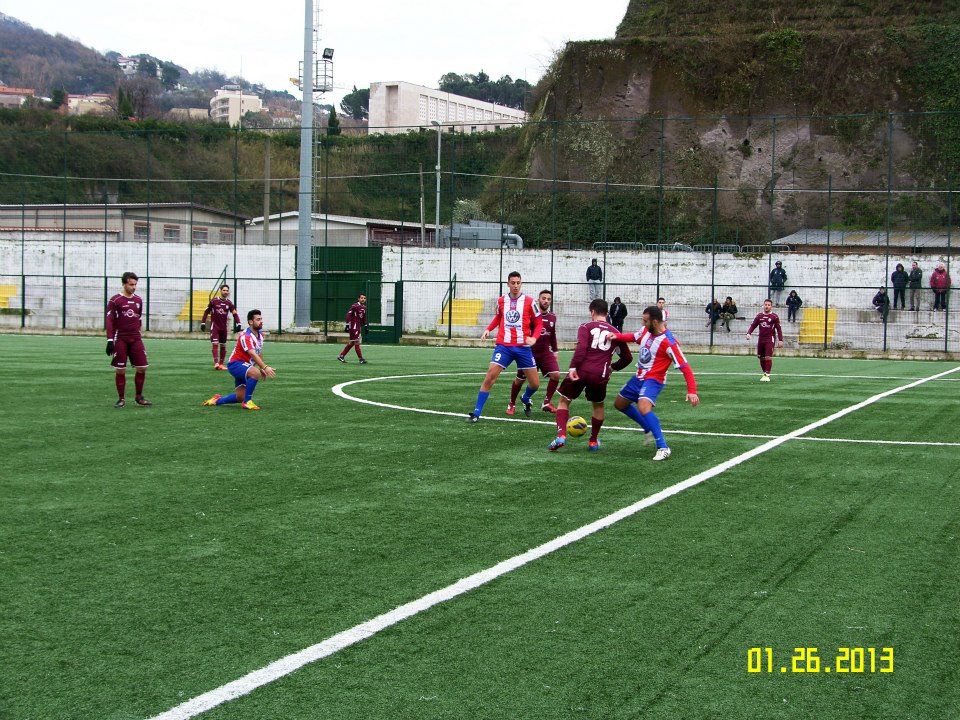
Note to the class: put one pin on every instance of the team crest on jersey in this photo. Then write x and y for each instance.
(513, 316)
(130, 312)
(645, 355)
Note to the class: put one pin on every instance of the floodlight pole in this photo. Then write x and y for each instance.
(301, 317)
(436, 231)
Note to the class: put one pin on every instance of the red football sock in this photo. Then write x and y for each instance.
(357, 348)
(514, 391)
(213, 349)
(767, 365)
(595, 426)
(346, 349)
(223, 352)
(121, 383)
(138, 382)
(563, 414)
(551, 389)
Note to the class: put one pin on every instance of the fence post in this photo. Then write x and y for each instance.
(23, 256)
(149, 226)
(553, 192)
(453, 201)
(63, 237)
(826, 291)
(326, 233)
(606, 229)
(660, 198)
(280, 264)
(105, 289)
(886, 271)
(713, 253)
(190, 267)
(773, 179)
(946, 312)
(500, 274)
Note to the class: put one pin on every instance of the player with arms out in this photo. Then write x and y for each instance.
(769, 324)
(590, 371)
(658, 349)
(124, 311)
(356, 321)
(246, 365)
(519, 323)
(217, 310)
(544, 354)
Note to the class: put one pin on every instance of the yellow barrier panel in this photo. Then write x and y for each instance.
(466, 311)
(7, 292)
(811, 326)
(201, 299)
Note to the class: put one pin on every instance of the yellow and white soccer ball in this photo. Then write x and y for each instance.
(576, 426)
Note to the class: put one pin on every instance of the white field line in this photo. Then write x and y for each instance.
(339, 391)
(293, 662)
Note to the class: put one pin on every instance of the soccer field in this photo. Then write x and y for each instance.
(152, 555)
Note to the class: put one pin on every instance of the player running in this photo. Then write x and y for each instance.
(518, 317)
(246, 365)
(658, 348)
(356, 321)
(769, 324)
(217, 310)
(590, 371)
(124, 311)
(544, 354)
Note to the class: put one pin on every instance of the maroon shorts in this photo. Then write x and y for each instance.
(218, 335)
(546, 363)
(595, 391)
(765, 348)
(132, 349)
(355, 334)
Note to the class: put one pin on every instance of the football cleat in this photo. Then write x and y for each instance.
(362, 361)
(211, 401)
(120, 403)
(340, 358)
(471, 418)
(141, 400)
(662, 454)
(557, 444)
(764, 378)
(511, 409)
(548, 408)
(527, 407)
(593, 445)
(249, 405)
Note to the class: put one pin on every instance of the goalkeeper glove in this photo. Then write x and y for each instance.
(346, 328)
(203, 327)
(109, 347)
(236, 327)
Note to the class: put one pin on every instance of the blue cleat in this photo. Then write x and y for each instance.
(593, 445)
(557, 444)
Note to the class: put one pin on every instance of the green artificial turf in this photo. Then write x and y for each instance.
(150, 555)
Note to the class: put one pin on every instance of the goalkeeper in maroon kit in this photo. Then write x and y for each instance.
(769, 324)
(590, 371)
(217, 310)
(124, 311)
(356, 321)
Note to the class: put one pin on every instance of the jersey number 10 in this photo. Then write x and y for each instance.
(601, 339)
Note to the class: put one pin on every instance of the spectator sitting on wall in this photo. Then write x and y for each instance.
(899, 279)
(881, 301)
(940, 284)
(713, 310)
(618, 313)
(778, 278)
(916, 285)
(793, 304)
(594, 279)
(728, 312)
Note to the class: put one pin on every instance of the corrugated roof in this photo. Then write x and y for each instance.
(871, 239)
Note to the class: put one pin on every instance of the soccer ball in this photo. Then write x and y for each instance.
(576, 426)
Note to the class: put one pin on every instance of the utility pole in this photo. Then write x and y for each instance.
(301, 318)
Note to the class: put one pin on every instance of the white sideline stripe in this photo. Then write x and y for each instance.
(823, 375)
(340, 392)
(289, 664)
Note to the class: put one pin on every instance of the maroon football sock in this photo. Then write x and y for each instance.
(121, 383)
(563, 415)
(551, 389)
(213, 349)
(223, 352)
(595, 426)
(138, 382)
(346, 349)
(359, 353)
(514, 391)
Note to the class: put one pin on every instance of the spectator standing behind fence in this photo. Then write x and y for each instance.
(793, 304)
(899, 280)
(618, 313)
(881, 301)
(713, 310)
(594, 280)
(778, 278)
(916, 283)
(728, 312)
(662, 304)
(940, 284)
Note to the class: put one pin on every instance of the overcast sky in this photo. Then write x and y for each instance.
(374, 40)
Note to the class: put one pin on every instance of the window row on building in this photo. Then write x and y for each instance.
(172, 233)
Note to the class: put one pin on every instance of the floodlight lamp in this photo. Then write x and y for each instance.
(327, 54)
(435, 122)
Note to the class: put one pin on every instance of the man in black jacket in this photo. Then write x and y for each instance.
(728, 312)
(899, 279)
(778, 279)
(916, 284)
(618, 313)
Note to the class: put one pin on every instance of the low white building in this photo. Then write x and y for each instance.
(230, 103)
(128, 65)
(397, 107)
(96, 103)
(14, 97)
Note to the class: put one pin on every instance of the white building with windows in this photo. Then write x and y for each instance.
(230, 103)
(397, 107)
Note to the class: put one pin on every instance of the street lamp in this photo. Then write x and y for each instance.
(436, 124)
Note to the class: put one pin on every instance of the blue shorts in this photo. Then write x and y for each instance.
(637, 389)
(522, 355)
(238, 369)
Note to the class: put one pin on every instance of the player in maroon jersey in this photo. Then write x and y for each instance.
(769, 324)
(124, 311)
(218, 308)
(356, 321)
(590, 371)
(544, 354)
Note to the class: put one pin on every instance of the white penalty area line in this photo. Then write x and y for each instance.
(293, 662)
(341, 392)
